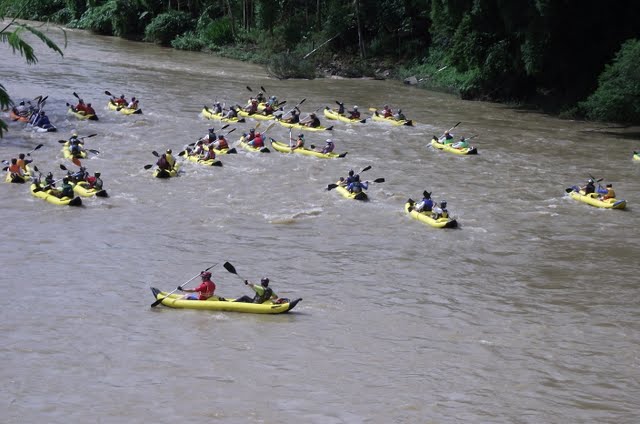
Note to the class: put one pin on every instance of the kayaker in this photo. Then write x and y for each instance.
(209, 154)
(233, 113)
(220, 144)
(22, 109)
(198, 149)
(299, 143)
(133, 104)
(90, 110)
(66, 189)
(257, 141)
(252, 107)
(260, 97)
(75, 145)
(49, 181)
(210, 137)
(263, 292)
(95, 181)
(329, 145)
(273, 101)
(251, 135)
(81, 107)
(590, 187)
(80, 175)
(311, 121)
(346, 181)
(170, 159)
(387, 112)
(121, 101)
(446, 138)
(354, 114)
(426, 204)
(14, 169)
(217, 108)
(462, 144)
(163, 163)
(356, 186)
(400, 116)
(294, 118)
(204, 291)
(610, 194)
(440, 211)
(42, 120)
(22, 162)
(268, 110)
(340, 108)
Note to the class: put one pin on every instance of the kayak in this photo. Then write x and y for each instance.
(227, 151)
(46, 195)
(377, 117)
(82, 189)
(208, 162)
(163, 173)
(15, 117)
(284, 148)
(48, 128)
(246, 146)
(447, 148)
(334, 115)
(67, 153)
(81, 115)
(427, 219)
(349, 195)
(303, 127)
(259, 116)
(123, 109)
(593, 200)
(208, 113)
(227, 305)
(17, 179)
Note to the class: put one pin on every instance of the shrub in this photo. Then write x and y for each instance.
(188, 41)
(284, 66)
(617, 97)
(217, 33)
(167, 26)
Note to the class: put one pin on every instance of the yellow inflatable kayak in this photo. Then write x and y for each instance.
(49, 197)
(349, 195)
(246, 146)
(163, 173)
(593, 199)
(81, 188)
(426, 217)
(81, 115)
(208, 162)
(208, 113)
(391, 120)
(18, 179)
(334, 115)
(303, 127)
(123, 109)
(67, 153)
(447, 148)
(259, 116)
(284, 148)
(227, 305)
(636, 156)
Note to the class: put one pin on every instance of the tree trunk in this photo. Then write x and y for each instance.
(359, 24)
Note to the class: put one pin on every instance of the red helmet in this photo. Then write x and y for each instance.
(205, 275)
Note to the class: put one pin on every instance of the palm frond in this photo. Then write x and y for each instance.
(46, 40)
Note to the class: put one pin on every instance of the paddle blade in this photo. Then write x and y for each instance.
(230, 268)
(108, 93)
(378, 180)
(249, 88)
(341, 155)
(157, 302)
(148, 166)
(76, 161)
(62, 141)
(263, 90)
(366, 168)
(331, 187)
(64, 168)
(154, 153)
(330, 128)
(225, 126)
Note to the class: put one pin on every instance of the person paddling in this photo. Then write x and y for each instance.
(263, 292)
(204, 291)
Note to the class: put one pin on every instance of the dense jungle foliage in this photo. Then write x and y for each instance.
(574, 57)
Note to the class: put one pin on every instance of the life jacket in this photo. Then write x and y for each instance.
(328, 148)
(170, 160)
(210, 289)
(14, 168)
(222, 144)
(258, 141)
(266, 295)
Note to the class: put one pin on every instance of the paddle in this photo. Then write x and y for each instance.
(28, 154)
(295, 107)
(449, 130)
(48, 186)
(332, 186)
(86, 136)
(157, 302)
(232, 270)
(249, 88)
(263, 90)
(76, 95)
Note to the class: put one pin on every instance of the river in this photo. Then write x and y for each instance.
(527, 313)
